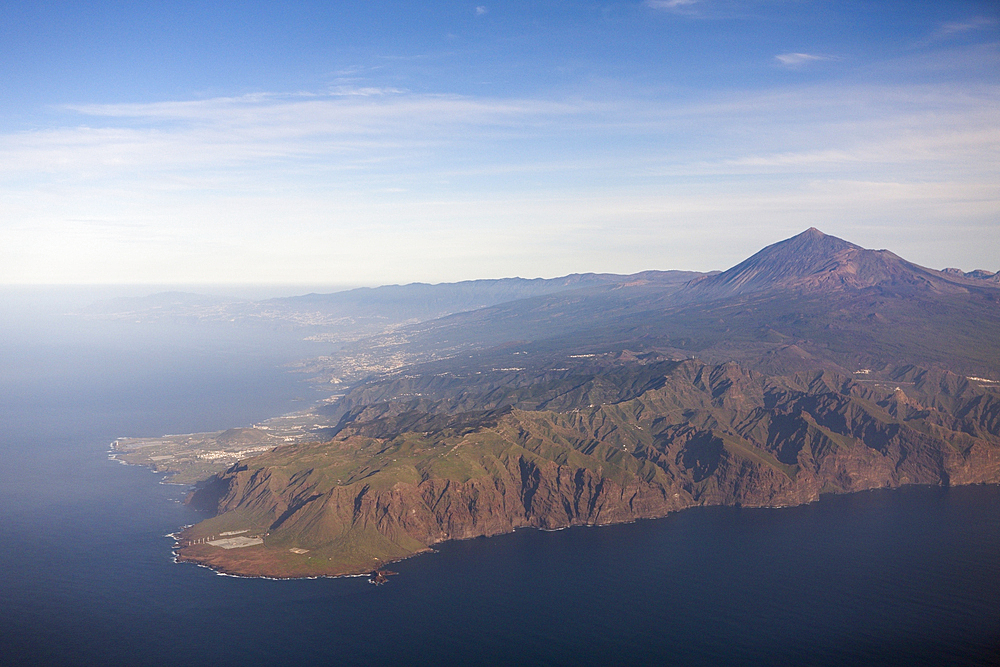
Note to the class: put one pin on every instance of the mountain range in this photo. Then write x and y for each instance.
(362, 311)
(814, 366)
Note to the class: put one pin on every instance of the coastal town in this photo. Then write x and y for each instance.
(192, 457)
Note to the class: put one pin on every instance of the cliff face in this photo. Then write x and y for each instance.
(400, 477)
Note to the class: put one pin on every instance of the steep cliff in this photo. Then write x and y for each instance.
(400, 476)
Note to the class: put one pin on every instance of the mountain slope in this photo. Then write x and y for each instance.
(422, 301)
(813, 300)
(815, 262)
(365, 310)
(396, 480)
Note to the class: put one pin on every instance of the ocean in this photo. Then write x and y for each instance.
(902, 577)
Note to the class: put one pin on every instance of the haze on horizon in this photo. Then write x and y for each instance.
(379, 142)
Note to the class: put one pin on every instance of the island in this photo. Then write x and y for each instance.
(813, 367)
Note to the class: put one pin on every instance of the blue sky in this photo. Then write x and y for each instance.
(375, 142)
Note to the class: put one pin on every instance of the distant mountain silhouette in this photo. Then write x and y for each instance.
(422, 301)
(368, 310)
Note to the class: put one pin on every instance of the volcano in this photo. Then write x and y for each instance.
(816, 262)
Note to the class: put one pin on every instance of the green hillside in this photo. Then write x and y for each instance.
(401, 476)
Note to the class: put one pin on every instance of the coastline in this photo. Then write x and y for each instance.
(227, 563)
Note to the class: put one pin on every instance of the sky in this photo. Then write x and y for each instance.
(364, 143)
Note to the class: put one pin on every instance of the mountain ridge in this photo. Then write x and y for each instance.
(365, 310)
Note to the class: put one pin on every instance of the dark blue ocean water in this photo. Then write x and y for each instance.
(86, 578)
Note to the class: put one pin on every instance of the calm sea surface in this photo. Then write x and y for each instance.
(86, 578)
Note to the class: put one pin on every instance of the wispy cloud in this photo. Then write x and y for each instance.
(480, 10)
(960, 27)
(676, 6)
(669, 4)
(348, 130)
(800, 59)
(386, 136)
(365, 91)
(714, 10)
(365, 182)
(934, 151)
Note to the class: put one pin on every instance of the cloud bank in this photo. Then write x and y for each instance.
(398, 186)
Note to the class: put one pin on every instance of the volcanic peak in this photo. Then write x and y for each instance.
(813, 261)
